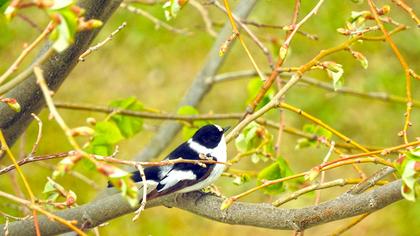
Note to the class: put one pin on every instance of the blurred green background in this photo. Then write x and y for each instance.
(158, 66)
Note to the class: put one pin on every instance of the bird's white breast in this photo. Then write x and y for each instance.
(219, 153)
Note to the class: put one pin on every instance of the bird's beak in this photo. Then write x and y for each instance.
(226, 129)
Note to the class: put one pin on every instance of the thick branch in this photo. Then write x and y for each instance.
(28, 93)
(254, 214)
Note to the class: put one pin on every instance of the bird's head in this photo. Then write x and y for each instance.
(209, 136)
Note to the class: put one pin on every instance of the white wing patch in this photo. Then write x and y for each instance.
(175, 176)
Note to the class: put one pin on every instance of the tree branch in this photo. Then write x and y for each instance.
(253, 214)
(56, 68)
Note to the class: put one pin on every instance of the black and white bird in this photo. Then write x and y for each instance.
(186, 177)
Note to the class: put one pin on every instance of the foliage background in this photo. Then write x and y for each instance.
(157, 66)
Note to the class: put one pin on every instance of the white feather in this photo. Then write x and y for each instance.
(175, 176)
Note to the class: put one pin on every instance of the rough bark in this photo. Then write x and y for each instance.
(207, 205)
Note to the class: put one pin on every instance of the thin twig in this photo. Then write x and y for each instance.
(26, 51)
(205, 16)
(282, 27)
(158, 23)
(321, 181)
(144, 198)
(102, 43)
(405, 66)
(319, 186)
(38, 137)
(282, 56)
(26, 73)
(33, 206)
(6, 148)
(30, 159)
(383, 96)
(408, 9)
(190, 118)
(384, 151)
(236, 32)
(251, 35)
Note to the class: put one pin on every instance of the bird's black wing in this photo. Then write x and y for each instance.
(181, 175)
(162, 189)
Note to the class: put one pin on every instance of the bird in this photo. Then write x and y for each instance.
(208, 142)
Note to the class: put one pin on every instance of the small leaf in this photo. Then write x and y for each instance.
(128, 125)
(304, 143)
(409, 180)
(107, 134)
(65, 165)
(240, 143)
(251, 137)
(315, 130)
(277, 170)
(172, 7)
(3, 3)
(12, 103)
(64, 33)
(49, 187)
(335, 72)
(243, 178)
(358, 15)
(10, 12)
(414, 154)
(283, 52)
(255, 158)
(361, 58)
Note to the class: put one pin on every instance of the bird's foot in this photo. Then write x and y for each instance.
(212, 189)
(207, 156)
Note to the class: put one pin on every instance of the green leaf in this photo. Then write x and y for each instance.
(3, 5)
(317, 130)
(248, 139)
(240, 143)
(107, 133)
(409, 178)
(106, 136)
(414, 154)
(49, 187)
(172, 7)
(335, 72)
(51, 191)
(314, 130)
(12, 103)
(128, 125)
(277, 170)
(64, 34)
(240, 179)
